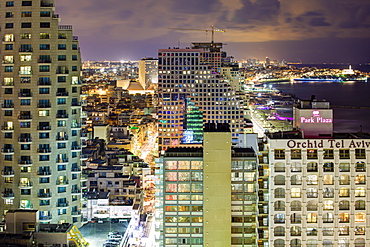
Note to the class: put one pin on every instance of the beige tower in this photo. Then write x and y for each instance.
(40, 113)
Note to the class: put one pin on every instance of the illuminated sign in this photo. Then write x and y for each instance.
(330, 143)
(316, 118)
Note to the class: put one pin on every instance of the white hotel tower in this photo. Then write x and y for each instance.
(319, 182)
(40, 112)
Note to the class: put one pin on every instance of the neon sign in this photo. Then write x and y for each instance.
(316, 118)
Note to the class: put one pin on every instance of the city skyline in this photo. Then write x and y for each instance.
(311, 32)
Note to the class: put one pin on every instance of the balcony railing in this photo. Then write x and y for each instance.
(76, 104)
(62, 182)
(44, 83)
(62, 116)
(24, 139)
(7, 173)
(8, 39)
(25, 49)
(62, 138)
(25, 72)
(75, 169)
(44, 60)
(43, 105)
(7, 195)
(45, 217)
(62, 161)
(44, 127)
(78, 212)
(64, 27)
(25, 162)
(62, 71)
(44, 150)
(24, 94)
(75, 191)
(76, 125)
(44, 195)
(64, 94)
(62, 205)
(7, 150)
(25, 185)
(44, 173)
(24, 117)
(8, 83)
(7, 105)
(8, 61)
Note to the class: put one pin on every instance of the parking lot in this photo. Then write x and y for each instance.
(97, 233)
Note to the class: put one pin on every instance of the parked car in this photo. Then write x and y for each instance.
(114, 220)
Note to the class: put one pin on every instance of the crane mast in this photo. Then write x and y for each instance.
(212, 30)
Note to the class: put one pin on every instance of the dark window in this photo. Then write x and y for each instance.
(26, 25)
(8, 113)
(25, 102)
(44, 135)
(44, 90)
(44, 68)
(74, 47)
(44, 13)
(8, 90)
(44, 24)
(8, 135)
(74, 57)
(62, 57)
(9, 25)
(44, 47)
(8, 68)
(26, 3)
(9, 4)
(9, 14)
(62, 78)
(74, 68)
(9, 47)
(62, 47)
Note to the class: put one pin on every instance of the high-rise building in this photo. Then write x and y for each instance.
(209, 196)
(40, 112)
(148, 73)
(193, 92)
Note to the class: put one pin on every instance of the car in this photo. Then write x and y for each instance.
(113, 233)
(112, 241)
(117, 237)
(114, 220)
(100, 221)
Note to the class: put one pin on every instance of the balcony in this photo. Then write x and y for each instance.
(62, 182)
(84, 177)
(76, 126)
(44, 195)
(7, 150)
(84, 157)
(76, 213)
(55, 16)
(25, 72)
(25, 49)
(62, 94)
(8, 39)
(44, 173)
(44, 150)
(76, 191)
(43, 105)
(62, 71)
(8, 84)
(25, 163)
(44, 60)
(8, 61)
(8, 195)
(62, 116)
(45, 218)
(24, 95)
(7, 174)
(7, 106)
(62, 204)
(76, 104)
(27, 185)
(25, 139)
(7, 128)
(61, 161)
(43, 127)
(25, 117)
(76, 170)
(62, 138)
(44, 83)
(47, 5)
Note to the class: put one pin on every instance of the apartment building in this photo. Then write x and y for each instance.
(191, 93)
(209, 196)
(40, 112)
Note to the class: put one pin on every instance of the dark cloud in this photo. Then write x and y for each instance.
(261, 10)
(318, 22)
(309, 18)
(198, 7)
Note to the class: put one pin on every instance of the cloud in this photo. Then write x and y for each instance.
(262, 10)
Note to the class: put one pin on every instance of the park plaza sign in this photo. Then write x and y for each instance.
(316, 118)
(328, 143)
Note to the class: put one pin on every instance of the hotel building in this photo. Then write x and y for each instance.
(319, 189)
(40, 112)
(193, 92)
(210, 196)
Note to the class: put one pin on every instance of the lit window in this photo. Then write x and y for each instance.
(360, 192)
(343, 217)
(295, 192)
(311, 218)
(311, 153)
(344, 192)
(360, 218)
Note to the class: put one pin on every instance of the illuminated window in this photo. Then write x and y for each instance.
(279, 206)
(295, 206)
(279, 218)
(328, 192)
(360, 242)
(171, 187)
(279, 167)
(343, 230)
(360, 218)
(312, 167)
(279, 193)
(343, 217)
(295, 218)
(171, 176)
(197, 188)
(296, 180)
(171, 197)
(344, 205)
(327, 231)
(279, 153)
(312, 179)
(360, 230)
(328, 179)
(196, 176)
(360, 153)
(344, 167)
(170, 219)
(171, 208)
(311, 231)
(360, 179)
(296, 167)
(184, 197)
(344, 180)
(360, 167)
(171, 230)
(278, 231)
(328, 218)
(311, 218)
(360, 192)
(344, 192)
(196, 165)
(279, 180)
(44, 113)
(328, 167)
(295, 231)
(295, 154)
(312, 205)
(311, 153)
(295, 192)
(171, 165)
(183, 187)
(311, 193)
(328, 205)
(183, 165)
(183, 176)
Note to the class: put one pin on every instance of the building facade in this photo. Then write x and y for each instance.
(41, 108)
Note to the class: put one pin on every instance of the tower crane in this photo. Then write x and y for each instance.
(212, 30)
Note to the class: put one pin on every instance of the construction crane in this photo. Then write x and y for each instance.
(213, 30)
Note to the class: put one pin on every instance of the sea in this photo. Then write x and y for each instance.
(353, 94)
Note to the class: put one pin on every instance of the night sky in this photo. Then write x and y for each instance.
(311, 31)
